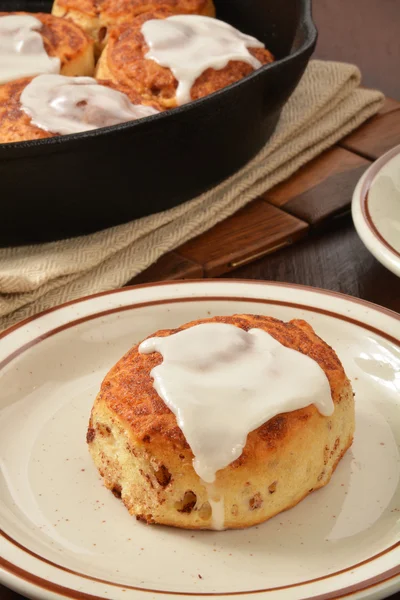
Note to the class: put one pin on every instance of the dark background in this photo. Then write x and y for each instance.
(364, 32)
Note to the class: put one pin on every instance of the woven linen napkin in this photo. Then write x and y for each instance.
(326, 105)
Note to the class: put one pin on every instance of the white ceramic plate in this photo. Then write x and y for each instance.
(65, 535)
(376, 209)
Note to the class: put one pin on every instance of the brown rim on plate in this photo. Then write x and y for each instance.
(110, 311)
(364, 196)
(344, 592)
(127, 288)
(70, 593)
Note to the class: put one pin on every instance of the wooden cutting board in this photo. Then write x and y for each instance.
(318, 193)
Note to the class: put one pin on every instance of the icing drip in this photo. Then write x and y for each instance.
(222, 382)
(190, 44)
(22, 52)
(72, 104)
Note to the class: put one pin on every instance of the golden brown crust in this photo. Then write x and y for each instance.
(128, 390)
(133, 96)
(88, 7)
(145, 460)
(257, 517)
(97, 17)
(123, 61)
(119, 11)
(16, 126)
(66, 41)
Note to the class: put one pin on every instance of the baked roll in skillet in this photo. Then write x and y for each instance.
(64, 40)
(96, 17)
(124, 61)
(36, 119)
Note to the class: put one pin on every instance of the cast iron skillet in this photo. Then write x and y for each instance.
(66, 186)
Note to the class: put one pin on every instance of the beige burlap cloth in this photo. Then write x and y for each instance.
(326, 105)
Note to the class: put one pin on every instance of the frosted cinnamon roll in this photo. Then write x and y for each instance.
(97, 17)
(222, 423)
(51, 105)
(35, 43)
(174, 59)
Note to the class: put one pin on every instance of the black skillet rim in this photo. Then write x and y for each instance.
(310, 33)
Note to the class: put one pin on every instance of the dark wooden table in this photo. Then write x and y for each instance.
(334, 259)
(365, 32)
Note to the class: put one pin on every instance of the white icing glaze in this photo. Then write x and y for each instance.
(222, 382)
(22, 53)
(190, 44)
(72, 104)
(217, 504)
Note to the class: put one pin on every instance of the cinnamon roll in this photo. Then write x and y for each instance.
(97, 18)
(34, 43)
(51, 105)
(173, 59)
(222, 423)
